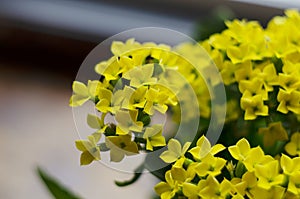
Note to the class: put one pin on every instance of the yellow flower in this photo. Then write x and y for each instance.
(182, 175)
(256, 157)
(241, 150)
(83, 93)
(293, 147)
(228, 71)
(211, 188)
(245, 71)
(291, 67)
(269, 77)
(221, 42)
(154, 137)
(190, 190)
(253, 106)
(119, 48)
(289, 82)
(275, 192)
(110, 69)
(120, 146)
(294, 59)
(176, 179)
(294, 183)
(280, 46)
(127, 63)
(105, 97)
(156, 100)
(253, 87)
(116, 101)
(175, 151)
(141, 75)
(242, 30)
(239, 187)
(242, 186)
(203, 148)
(290, 165)
(89, 148)
(274, 132)
(210, 165)
(242, 53)
(268, 175)
(134, 98)
(96, 123)
(289, 101)
(168, 189)
(127, 122)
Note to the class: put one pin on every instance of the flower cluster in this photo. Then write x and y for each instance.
(250, 173)
(262, 63)
(260, 68)
(257, 151)
(135, 83)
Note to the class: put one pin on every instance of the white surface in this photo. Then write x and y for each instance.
(36, 128)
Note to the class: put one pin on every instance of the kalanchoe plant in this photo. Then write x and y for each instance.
(257, 154)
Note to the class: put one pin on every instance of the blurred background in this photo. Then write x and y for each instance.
(42, 45)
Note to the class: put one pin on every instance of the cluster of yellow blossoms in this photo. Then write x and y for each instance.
(260, 68)
(251, 173)
(263, 63)
(138, 80)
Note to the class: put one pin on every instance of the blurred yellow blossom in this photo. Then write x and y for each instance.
(168, 189)
(210, 165)
(256, 156)
(96, 123)
(253, 106)
(89, 148)
(289, 101)
(105, 97)
(203, 148)
(175, 151)
(211, 188)
(141, 75)
(294, 182)
(134, 98)
(120, 146)
(155, 100)
(83, 93)
(154, 137)
(293, 147)
(127, 122)
(240, 150)
(289, 165)
(274, 132)
(268, 174)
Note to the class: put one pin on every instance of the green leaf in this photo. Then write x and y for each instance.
(55, 188)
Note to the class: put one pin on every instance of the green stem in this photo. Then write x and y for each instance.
(138, 172)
